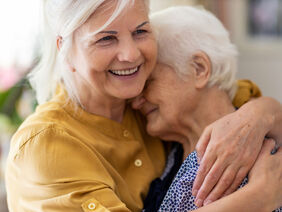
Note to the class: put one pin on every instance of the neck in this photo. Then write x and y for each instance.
(102, 105)
(113, 110)
(212, 105)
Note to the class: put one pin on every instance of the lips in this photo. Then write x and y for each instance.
(126, 72)
(149, 111)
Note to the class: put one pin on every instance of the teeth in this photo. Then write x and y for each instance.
(124, 72)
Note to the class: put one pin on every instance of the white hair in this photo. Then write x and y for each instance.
(63, 18)
(182, 31)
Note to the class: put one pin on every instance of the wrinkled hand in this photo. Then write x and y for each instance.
(267, 171)
(227, 150)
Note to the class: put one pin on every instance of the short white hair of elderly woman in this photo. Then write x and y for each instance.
(183, 31)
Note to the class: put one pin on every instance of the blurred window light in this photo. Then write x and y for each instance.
(265, 18)
(19, 21)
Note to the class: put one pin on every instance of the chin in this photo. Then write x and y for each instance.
(153, 131)
(158, 131)
(127, 95)
(130, 92)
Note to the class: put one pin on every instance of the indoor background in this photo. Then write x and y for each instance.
(255, 27)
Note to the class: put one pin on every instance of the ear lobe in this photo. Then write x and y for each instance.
(201, 69)
(71, 68)
(59, 42)
(70, 64)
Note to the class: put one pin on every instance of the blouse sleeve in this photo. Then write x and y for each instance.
(246, 90)
(53, 171)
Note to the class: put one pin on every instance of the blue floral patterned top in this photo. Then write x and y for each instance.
(179, 196)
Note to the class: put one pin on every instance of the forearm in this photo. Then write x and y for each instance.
(271, 112)
(246, 199)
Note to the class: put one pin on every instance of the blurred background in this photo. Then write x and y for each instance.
(255, 27)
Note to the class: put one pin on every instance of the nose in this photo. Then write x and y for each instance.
(129, 51)
(138, 102)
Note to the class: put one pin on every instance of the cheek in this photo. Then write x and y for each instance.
(153, 93)
(100, 60)
(81, 62)
(150, 52)
(168, 113)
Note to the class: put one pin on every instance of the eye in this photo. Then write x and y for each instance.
(106, 40)
(140, 32)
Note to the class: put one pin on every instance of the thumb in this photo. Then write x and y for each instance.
(203, 142)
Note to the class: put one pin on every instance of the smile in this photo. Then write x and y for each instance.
(127, 72)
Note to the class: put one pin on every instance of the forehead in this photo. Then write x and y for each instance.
(134, 9)
(162, 70)
(166, 75)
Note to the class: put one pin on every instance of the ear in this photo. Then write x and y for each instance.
(59, 42)
(201, 69)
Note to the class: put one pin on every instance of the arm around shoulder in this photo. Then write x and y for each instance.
(263, 192)
(269, 112)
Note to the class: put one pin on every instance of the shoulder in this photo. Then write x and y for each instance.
(59, 167)
(42, 124)
(246, 90)
(51, 154)
(48, 140)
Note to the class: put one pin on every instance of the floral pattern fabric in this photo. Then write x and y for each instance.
(179, 196)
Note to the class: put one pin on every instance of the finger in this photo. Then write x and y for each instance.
(279, 150)
(267, 147)
(203, 142)
(204, 168)
(224, 183)
(210, 181)
(241, 174)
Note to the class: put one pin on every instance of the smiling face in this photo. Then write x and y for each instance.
(165, 100)
(116, 62)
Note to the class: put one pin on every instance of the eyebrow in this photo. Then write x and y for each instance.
(115, 32)
(139, 26)
(109, 32)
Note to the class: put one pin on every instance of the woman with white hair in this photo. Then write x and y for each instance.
(191, 87)
(84, 148)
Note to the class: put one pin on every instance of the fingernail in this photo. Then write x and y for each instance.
(206, 202)
(199, 160)
(199, 202)
(195, 192)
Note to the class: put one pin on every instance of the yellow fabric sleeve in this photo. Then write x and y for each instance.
(246, 91)
(59, 173)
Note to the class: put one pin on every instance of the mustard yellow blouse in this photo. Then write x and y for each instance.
(65, 159)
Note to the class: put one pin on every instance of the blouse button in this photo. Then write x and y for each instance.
(92, 206)
(125, 133)
(138, 163)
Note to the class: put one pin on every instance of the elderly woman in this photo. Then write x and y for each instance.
(84, 149)
(191, 87)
